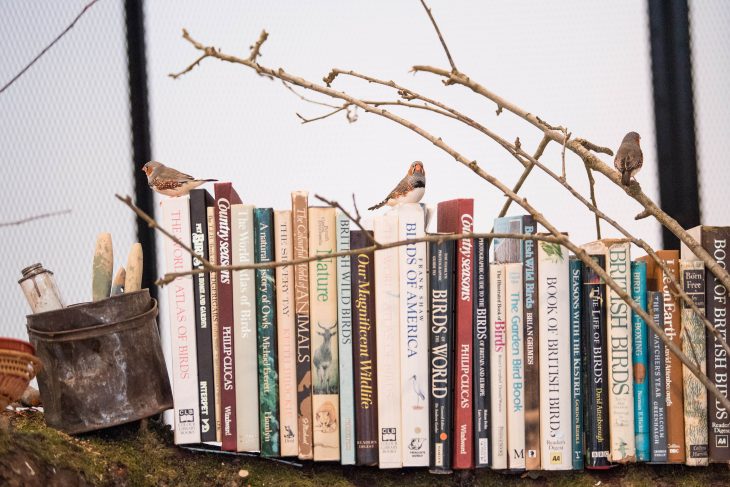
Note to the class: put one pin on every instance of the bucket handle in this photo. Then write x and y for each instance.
(94, 330)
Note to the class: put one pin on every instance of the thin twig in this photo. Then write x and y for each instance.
(592, 184)
(256, 47)
(528, 169)
(355, 219)
(565, 141)
(45, 49)
(189, 68)
(34, 217)
(308, 100)
(315, 119)
(441, 38)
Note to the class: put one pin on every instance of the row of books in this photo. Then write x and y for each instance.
(434, 354)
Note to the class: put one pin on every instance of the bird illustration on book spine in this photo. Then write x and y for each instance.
(420, 396)
(170, 182)
(410, 189)
(629, 157)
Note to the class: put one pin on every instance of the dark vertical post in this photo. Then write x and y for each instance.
(141, 147)
(671, 65)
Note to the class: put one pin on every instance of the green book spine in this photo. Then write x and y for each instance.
(266, 333)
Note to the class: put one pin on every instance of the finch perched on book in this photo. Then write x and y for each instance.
(170, 182)
(409, 190)
(629, 157)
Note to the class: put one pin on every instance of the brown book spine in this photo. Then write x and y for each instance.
(365, 360)
(300, 219)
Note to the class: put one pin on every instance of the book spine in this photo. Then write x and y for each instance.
(266, 334)
(248, 432)
(693, 345)
(515, 368)
(323, 330)
(498, 366)
(344, 315)
(214, 324)
(482, 396)
(387, 319)
(441, 256)
(364, 358)
(555, 348)
(176, 220)
(597, 443)
(640, 364)
(201, 297)
(531, 330)
(286, 335)
(300, 223)
(223, 196)
(718, 307)
(413, 336)
(657, 382)
(620, 373)
(576, 362)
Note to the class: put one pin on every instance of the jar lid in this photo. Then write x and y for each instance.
(33, 270)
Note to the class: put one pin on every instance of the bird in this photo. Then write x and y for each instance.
(629, 157)
(170, 182)
(410, 189)
(420, 396)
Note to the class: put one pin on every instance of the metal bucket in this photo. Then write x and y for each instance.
(103, 363)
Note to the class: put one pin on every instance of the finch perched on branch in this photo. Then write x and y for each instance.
(170, 182)
(629, 157)
(410, 189)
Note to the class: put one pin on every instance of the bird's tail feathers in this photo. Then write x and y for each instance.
(626, 178)
(209, 180)
(375, 207)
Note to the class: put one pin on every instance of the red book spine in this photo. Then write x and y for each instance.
(225, 196)
(457, 216)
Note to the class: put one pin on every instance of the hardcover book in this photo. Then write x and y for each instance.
(225, 196)
(387, 319)
(286, 334)
(657, 281)
(692, 273)
(245, 346)
(214, 324)
(555, 347)
(498, 366)
(413, 336)
(515, 368)
(457, 216)
(300, 227)
(441, 256)
(482, 391)
(176, 220)
(344, 317)
(266, 333)
(531, 325)
(657, 383)
(640, 351)
(576, 362)
(364, 358)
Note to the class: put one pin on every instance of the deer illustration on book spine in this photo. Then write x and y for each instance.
(326, 381)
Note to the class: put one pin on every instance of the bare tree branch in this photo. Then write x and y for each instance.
(355, 219)
(441, 38)
(33, 218)
(528, 168)
(591, 185)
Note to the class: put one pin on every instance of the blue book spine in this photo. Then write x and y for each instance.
(576, 400)
(640, 364)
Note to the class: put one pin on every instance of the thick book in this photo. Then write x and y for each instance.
(200, 201)
(657, 281)
(618, 340)
(300, 231)
(595, 376)
(715, 241)
(515, 367)
(344, 318)
(176, 220)
(441, 257)
(248, 431)
(692, 274)
(266, 333)
(457, 216)
(576, 362)
(531, 329)
(640, 351)
(498, 366)
(387, 319)
(657, 383)
(414, 372)
(364, 358)
(482, 392)
(286, 334)
(225, 196)
(323, 329)
(214, 323)
(553, 290)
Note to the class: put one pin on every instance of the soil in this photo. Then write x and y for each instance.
(138, 454)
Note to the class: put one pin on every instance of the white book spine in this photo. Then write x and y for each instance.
(387, 320)
(344, 314)
(498, 365)
(515, 368)
(413, 337)
(555, 376)
(176, 220)
(286, 334)
(244, 330)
